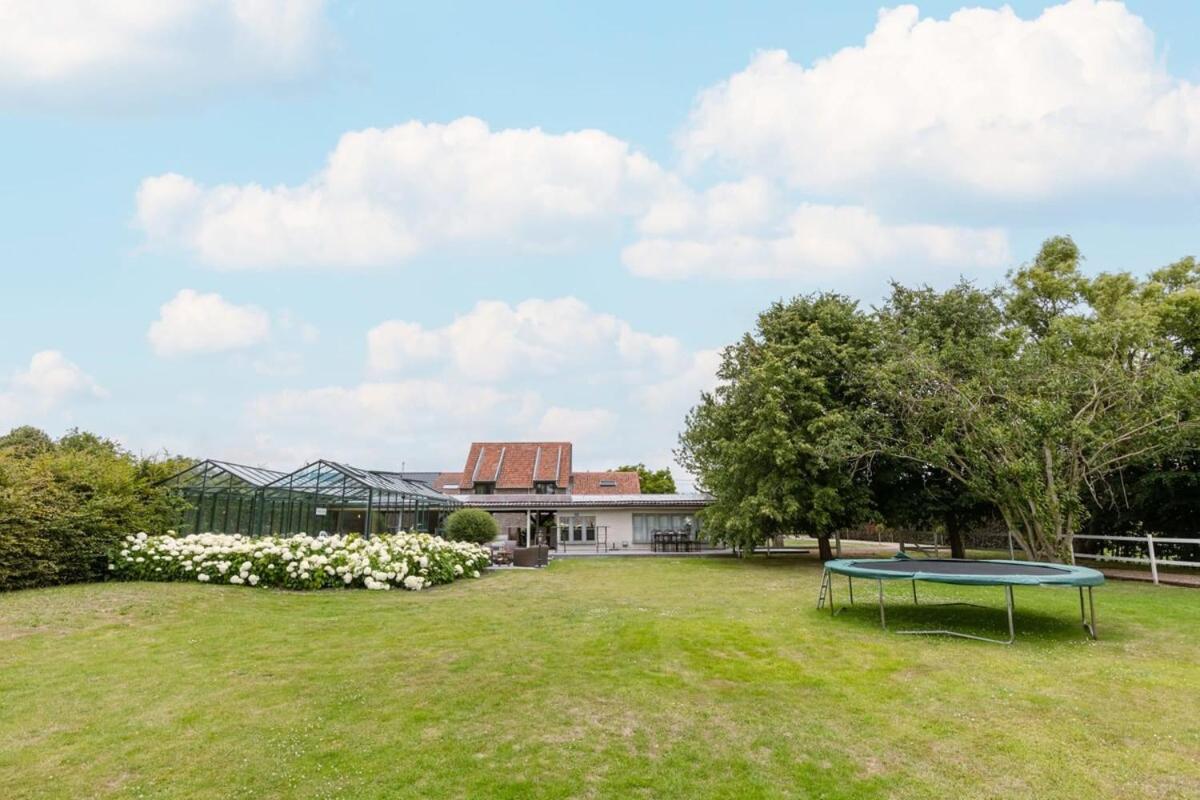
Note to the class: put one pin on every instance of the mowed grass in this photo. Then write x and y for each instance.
(622, 678)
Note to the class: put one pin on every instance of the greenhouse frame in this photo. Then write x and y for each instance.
(324, 496)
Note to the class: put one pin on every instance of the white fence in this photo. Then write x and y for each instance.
(1152, 558)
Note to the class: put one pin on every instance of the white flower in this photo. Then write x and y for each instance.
(236, 579)
(414, 582)
(253, 580)
(202, 578)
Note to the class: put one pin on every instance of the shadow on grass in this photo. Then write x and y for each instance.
(1031, 619)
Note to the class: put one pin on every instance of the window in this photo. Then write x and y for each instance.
(646, 524)
(608, 484)
(545, 487)
(577, 528)
(485, 487)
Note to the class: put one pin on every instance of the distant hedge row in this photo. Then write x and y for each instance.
(65, 504)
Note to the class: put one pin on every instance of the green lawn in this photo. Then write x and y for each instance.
(681, 678)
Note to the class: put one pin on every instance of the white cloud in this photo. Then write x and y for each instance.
(377, 424)
(674, 395)
(985, 100)
(538, 369)
(745, 230)
(127, 52)
(51, 378)
(49, 383)
(386, 195)
(576, 424)
(495, 340)
(192, 322)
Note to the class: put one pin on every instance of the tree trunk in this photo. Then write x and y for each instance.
(823, 548)
(954, 534)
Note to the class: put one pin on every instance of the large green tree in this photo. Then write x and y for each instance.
(772, 441)
(1038, 396)
(912, 495)
(653, 481)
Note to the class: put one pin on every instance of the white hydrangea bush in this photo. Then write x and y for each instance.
(410, 561)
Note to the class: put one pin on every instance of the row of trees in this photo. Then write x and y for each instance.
(65, 503)
(1042, 401)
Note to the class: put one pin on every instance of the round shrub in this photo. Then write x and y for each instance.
(471, 525)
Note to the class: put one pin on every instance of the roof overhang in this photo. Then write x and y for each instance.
(559, 502)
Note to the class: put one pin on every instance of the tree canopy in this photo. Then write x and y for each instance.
(656, 481)
(1031, 400)
(772, 442)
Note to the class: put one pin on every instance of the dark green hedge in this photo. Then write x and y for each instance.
(65, 503)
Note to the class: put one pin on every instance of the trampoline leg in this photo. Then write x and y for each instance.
(915, 603)
(1012, 634)
(850, 581)
(1090, 628)
(882, 616)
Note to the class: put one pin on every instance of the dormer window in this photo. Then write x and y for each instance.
(608, 484)
(545, 487)
(485, 487)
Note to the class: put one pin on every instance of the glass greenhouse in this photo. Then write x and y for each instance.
(323, 496)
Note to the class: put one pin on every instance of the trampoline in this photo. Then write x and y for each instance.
(966, 572)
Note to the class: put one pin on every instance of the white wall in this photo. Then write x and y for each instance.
(620, 522)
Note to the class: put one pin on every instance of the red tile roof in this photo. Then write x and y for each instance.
(447, 479)
(516, 465)
(605, 483)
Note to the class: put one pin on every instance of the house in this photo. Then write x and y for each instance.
(535, 494)
(530, 468)
(530, 487)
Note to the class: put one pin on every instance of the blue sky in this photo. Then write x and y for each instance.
(372, 232)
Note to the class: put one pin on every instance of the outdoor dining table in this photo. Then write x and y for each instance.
(675, 541)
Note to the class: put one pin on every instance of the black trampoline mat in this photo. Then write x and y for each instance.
(945, 566)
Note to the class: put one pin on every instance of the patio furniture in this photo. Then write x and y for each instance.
(538, 556)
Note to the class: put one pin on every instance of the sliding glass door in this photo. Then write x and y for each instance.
(644, 525)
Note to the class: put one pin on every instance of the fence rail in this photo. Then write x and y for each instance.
(1153, 559)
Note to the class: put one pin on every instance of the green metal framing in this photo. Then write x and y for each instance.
(321, 496)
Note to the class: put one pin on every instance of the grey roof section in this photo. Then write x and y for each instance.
(561, 501)
(389, 482)
(419, 477)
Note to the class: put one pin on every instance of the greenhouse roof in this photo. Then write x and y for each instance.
(224, 474)
(331, 477)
